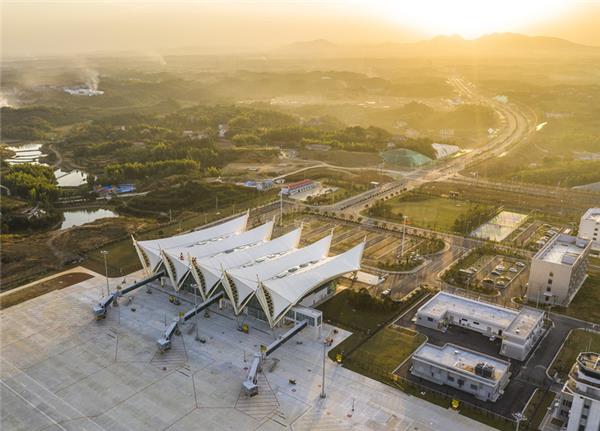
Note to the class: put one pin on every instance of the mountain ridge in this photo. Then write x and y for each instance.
(491, 44)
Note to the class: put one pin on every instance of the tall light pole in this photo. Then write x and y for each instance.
(280, 208)
(323, 382)
(403, 234)
(105, 253)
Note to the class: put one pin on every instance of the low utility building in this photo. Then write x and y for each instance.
(558, 270)
(298, 187)
(518, 329)
(480, 375)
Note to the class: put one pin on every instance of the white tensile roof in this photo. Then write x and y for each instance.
(177, 259)
(149, 251)
(242, 283)
(279, 293)
(208, 271)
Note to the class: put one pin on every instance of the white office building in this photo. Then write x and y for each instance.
(589, 227)
(579, 400)
(519, 329)
(558, 270)
(480, 375)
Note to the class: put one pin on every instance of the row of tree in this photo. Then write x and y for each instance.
(31, 182)
(118, 172)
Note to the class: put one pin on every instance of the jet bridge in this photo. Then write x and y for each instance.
(250, 385)
(164, 343)
(101, 308)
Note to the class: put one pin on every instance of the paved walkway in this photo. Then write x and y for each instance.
(63, 370)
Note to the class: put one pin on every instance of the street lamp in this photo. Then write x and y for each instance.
(105, 253)
(403, 234)
(323, 383)
(519, 417)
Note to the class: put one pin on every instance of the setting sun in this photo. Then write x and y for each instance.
(468, 18)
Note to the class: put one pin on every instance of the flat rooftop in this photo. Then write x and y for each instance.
(446, 302)
(525, 321)
(590, 361)
(592, 214)
(62, 369)
(562, 249)
(462, 360)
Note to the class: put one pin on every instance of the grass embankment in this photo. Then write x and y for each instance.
(586, 304)
(365, 321)
(382, 353)
(578, 341)
(26, 258)
(16, 296)
(537, 408)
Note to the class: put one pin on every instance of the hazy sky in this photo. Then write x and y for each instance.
(35, 28)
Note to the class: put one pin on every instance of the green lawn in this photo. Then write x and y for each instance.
(385, 350)
(433, 213)
(338, 311)
(536, 410)
(577, 342)
(586, 304)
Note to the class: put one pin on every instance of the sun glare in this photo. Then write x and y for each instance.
(468, 18)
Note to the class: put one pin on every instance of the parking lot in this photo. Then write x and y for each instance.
(382, 246)
(502, 273)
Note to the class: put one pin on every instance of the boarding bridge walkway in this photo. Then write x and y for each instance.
(250, 385)
(101, 308)
(164, 343)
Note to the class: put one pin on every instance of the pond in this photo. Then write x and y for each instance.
(73, 178)
(80, 217)
(26, 153)
(32, 153)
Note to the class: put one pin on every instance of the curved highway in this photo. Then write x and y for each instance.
(518, 125)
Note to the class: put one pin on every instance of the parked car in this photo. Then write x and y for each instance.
(520, 264)
(494, 272)
(513, 269)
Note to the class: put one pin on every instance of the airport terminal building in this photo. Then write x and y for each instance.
(268, 278)
(480, 375)
(519, 329)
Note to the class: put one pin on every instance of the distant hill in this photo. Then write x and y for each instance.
(498, 44)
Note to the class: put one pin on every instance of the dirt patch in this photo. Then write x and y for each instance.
(27, 257)
(16, 296)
